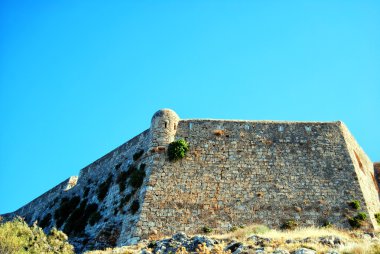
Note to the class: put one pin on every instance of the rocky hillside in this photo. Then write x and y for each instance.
(259, 239)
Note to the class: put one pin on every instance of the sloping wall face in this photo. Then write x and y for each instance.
(365, 174)
(236, 173)
(243, 172)
(97, 209)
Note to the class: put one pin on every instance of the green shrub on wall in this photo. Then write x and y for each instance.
(361, 216)
(177, 149)
(355, 204)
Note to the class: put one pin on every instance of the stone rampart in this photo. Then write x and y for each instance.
(244, 172)
(236, 173)
(117, 223)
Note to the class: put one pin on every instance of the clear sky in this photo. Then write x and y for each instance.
(79, 78)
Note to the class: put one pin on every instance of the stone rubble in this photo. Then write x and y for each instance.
(257, 244)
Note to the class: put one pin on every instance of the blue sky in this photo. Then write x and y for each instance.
(79, 78)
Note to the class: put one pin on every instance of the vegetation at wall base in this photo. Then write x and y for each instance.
(361, 216)
(357, 221)
(17, 237)
(259, 239)
(207, 229)
(234, 228)
(377, 216)
(327, 224)
(289, 225)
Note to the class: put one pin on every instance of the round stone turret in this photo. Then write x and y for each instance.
(163, 127)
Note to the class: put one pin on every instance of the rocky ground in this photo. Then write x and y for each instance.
(246, 241)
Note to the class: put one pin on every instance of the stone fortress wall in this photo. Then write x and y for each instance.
(117, 224)
(236, 173)
(244, 172)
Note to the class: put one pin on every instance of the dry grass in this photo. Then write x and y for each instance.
(354, 245)
(304, 232)
(203, 249)
(119, 250)
(278, 239)
(364, 247)
(241, 234)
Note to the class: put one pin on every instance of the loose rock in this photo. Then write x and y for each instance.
(304, 251)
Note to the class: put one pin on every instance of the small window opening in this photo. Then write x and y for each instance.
(175, 126)
(166, 125)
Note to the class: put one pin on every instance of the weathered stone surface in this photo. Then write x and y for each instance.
(332, 241)
(234, 247)
(262, 172)
(171, 245)
(236, 173)
(304, 251)
(279, 251)
(258, 240)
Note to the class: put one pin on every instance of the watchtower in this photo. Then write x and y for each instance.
(163, 127)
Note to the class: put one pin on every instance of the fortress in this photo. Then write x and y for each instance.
(235, 173)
